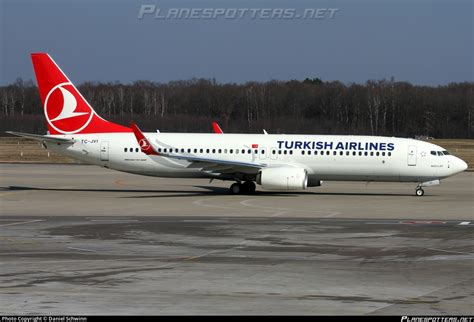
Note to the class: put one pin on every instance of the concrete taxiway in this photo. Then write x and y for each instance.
(86, 240)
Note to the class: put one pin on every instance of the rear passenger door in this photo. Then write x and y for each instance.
(104, 151)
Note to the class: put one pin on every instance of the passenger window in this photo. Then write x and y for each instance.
(273, 151)
(377, 153)
(213, 150)
(189, 150)
(243, 151)
(225, 150)
(164, 150)
(327, 152)
(334, 153)
(255, 151)
(315, 152)
(125, 150)
(219, 150)
(195, 150)
(182, 150)
(131, 149)
(302, 152)
(366, 153)
(353, 152)
(236, 151)
(383, 154)
(207, 150)
(389, 154)
(279, 151)
(360, 153)
(159, 149)
(249, 151)
(347, 153)
(309, 152)
(201, 150)
(372, 153)
(341, 153)
(231, 151)
(284, 151)
(136, 149)
(291, 151)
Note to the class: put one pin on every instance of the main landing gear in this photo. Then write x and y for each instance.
(248, 187)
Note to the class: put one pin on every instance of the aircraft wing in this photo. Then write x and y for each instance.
(38, 137)
(205, 164)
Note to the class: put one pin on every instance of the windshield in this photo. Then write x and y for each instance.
(440, 153)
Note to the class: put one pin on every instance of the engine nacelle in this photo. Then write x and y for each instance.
(283, 178)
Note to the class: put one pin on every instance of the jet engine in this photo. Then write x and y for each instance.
(283, 178)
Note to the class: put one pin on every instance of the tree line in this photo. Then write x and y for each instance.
(378, 107)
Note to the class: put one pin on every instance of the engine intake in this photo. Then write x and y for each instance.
(283, 178)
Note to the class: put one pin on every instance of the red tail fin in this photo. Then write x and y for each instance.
(65, 109)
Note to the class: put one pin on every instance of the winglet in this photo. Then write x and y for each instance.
(145, 146)
(217, 128)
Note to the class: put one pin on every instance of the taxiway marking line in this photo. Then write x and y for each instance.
(114, 220)
(464, 223)
(205, 221)
(21, 222)
(7, 193)
(450, 251)
(280, 209)
(83, 249)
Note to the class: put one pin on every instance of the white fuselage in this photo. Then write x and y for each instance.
(347, 158)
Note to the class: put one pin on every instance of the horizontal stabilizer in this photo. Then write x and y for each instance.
(38, 137)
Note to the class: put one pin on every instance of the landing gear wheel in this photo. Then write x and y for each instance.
(248, 187)
(235, 188)
(419, 192)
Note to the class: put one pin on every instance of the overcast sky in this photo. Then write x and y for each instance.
(420, 41)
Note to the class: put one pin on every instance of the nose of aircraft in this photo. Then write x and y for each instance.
(460, 165)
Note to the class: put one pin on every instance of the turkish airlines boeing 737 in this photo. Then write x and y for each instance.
(276, 162)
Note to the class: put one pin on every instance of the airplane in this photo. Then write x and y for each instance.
(273, 161)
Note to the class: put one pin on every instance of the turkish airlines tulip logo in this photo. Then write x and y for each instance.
(144, 145)
(63, 112)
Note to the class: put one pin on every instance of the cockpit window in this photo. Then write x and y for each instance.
(439, 153)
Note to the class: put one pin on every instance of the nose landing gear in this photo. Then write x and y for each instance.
(419, 191)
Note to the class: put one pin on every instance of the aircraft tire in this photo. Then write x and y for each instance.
(419, 192)
(235, 188)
